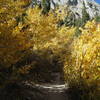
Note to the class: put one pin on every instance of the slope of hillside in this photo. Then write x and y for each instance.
(76, 6)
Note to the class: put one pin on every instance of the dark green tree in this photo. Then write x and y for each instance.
(78, 22)
(97, 18)
(45, 6)
(77, 32)
(85, 15)
(70, 19)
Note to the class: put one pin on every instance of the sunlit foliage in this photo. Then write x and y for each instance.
(83, 65)
(11, 45)
(27, 31)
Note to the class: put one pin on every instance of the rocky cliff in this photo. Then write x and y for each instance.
(76, 6)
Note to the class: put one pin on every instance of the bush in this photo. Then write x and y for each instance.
(97, 18)
(25, 44)
(82, 67)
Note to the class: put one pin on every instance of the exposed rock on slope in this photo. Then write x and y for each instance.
(76, 6)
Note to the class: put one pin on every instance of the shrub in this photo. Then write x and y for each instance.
(82, 67)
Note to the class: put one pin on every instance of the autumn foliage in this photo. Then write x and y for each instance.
(83, 65)
(28, 32)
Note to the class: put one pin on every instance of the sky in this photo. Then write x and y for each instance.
(98, 1)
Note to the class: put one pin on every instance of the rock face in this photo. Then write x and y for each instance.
(76, 6)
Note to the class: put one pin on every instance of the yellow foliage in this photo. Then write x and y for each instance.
(11, 46)
(44, 30)
(42, 27)
(84, 62)
(61, 12)
(23, 32)
(37, 32)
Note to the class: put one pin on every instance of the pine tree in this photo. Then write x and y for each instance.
(45, 6)
(85, 15)
(70, 19)
(97, 18)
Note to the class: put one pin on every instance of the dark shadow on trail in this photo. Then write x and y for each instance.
(46, 69)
